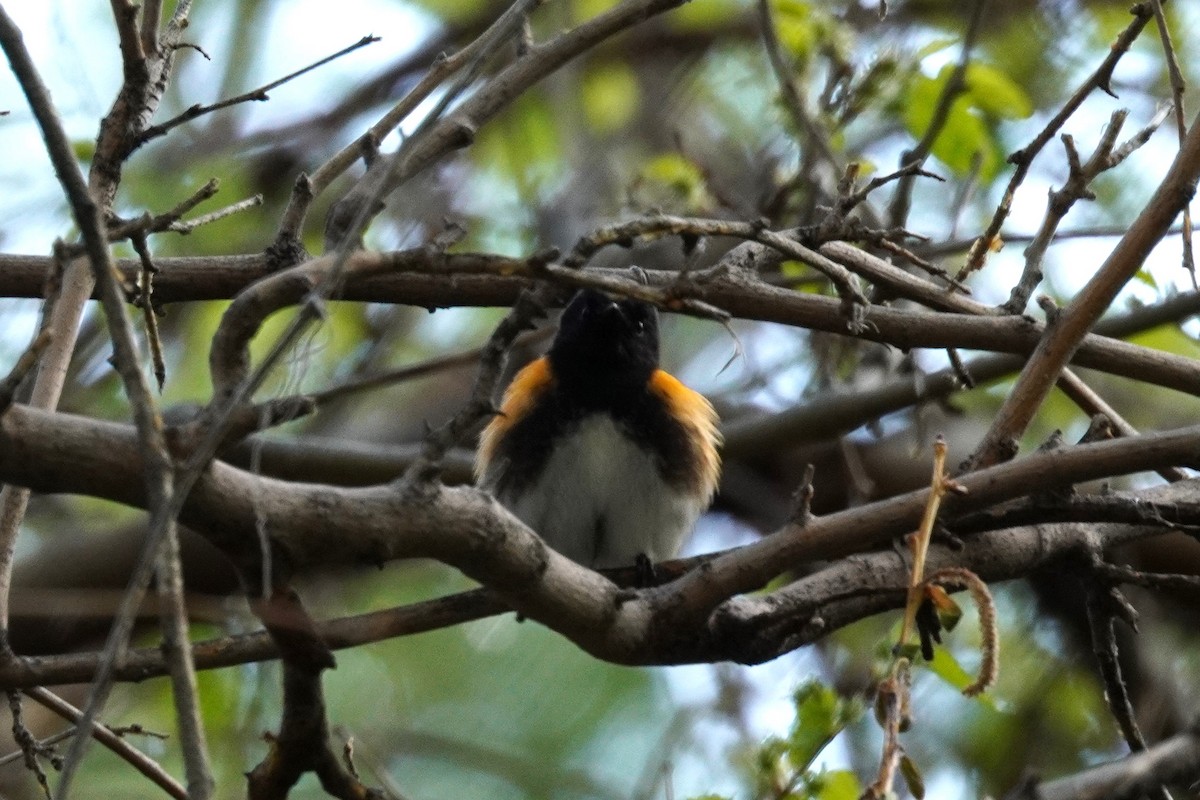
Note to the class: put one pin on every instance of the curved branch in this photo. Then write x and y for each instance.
(473, 279)
(1175, 760)
(469, 530)
(752, 629)
(432, 280)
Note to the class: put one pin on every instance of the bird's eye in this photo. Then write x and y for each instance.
(640, 326)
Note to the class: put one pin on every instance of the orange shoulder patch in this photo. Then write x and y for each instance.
(519, 398)
(694, 411)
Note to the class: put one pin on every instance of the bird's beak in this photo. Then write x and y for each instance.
(611, 309)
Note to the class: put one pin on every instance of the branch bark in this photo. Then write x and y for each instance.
(1063, 338)
(468, 529)
(1175, 760)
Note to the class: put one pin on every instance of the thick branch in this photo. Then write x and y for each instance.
(457, 281)
(465, 528)
(1176, 760)
(421, 278)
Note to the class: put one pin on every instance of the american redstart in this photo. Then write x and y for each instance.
(609, 458)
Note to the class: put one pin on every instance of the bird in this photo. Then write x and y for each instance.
(608, 457)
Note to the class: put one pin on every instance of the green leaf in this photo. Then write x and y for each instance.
(966, 135)
(706, 16)
(674, 176)
(610, 95)
(1170, 338)
(936, 46)
(838, 785)
(966, 138)
(524, 145)
(994, 93)
(582, 10)
(912, 777)
(921, 100)
(795, 27)
(85, 149)
(1146, 277)
(821, 713)
(454, 11)
(946, 667)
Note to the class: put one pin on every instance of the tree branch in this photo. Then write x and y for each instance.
(158, 477)
(1175, 760)
(469, 530)
(458, 128)
(1063, 338)
(254, 95)
(1023, 158)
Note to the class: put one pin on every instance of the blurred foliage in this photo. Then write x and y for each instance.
(967, 139)
(783, 768)
(682, 115)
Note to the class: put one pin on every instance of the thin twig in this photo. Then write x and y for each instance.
(1103, 605)
(25, 364)
(853, 198)
(955, 85)
(1178, 86)
(940, 486)
(146, 301)
(963, 193)
(1062, 339)
(259, 94)
(30, 748)
(789, 92)
(147, 224)
(1090, 401)
(310, 187)
(457, 130)
(221, 213)
(942, 249)
(1106, 156)
(892, 711)
(121, 230)
(854, 302)
(1156, 581)
(177, 649)
(127, 752)
(1023, 158)
(429, 366)
(159, 468)
(43, 744)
